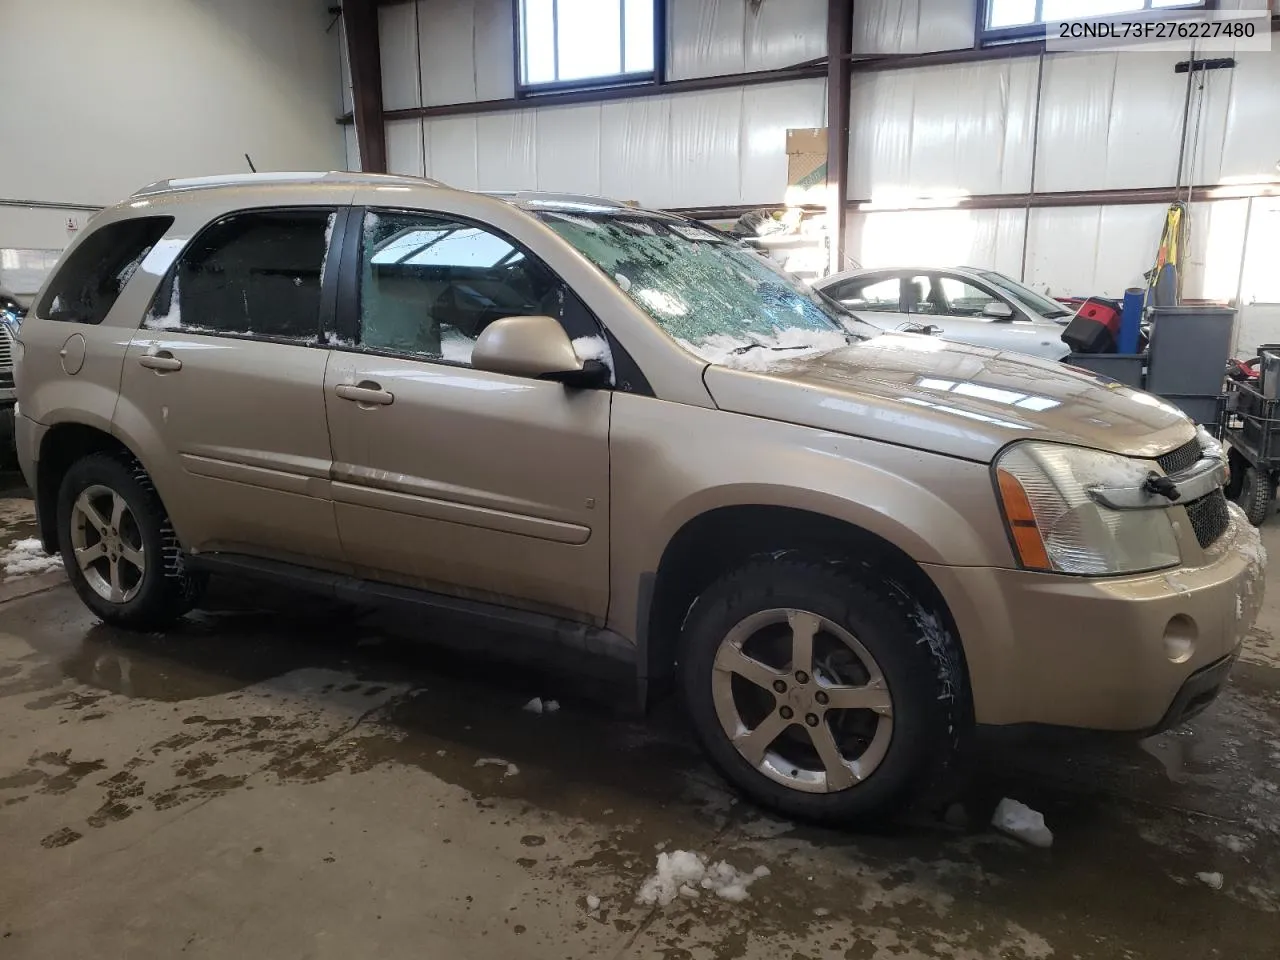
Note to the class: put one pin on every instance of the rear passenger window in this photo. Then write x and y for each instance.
(86, 286)
(249, 274)
(430, 285)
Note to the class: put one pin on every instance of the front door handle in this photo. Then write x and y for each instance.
(161, 360)
(365, 393)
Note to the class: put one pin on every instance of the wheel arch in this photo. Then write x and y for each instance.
(61, 446)
(715, 541)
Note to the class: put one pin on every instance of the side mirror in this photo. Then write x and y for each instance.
(998, 310)
(535, 347)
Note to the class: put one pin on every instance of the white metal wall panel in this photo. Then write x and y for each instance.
(768, 111)
(446, 46)
(1109, 121)
(568, 149)
(398, 49)
(785, 34)
(937, 131)
(1251, 146)
(351, 146)
(493, 50)
(705, 38)
(635, 150)
(344, 70)
(705, 148)
(404, 148)
(913, 26)
(937, 238)
(505, 150)
(451, 152)
(1092, 250)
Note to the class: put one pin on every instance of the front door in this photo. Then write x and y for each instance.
(222, 389)
(476, 484)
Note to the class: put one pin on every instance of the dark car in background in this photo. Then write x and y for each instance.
(11, 313)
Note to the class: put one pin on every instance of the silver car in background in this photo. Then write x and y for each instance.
(965, 304)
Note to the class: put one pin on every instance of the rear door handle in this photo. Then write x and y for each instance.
(365, 393)
(162, 361)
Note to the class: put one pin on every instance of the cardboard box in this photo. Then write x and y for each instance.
(806, 166)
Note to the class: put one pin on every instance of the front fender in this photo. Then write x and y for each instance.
(671, 463)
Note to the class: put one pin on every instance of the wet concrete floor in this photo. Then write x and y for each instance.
(285, 777)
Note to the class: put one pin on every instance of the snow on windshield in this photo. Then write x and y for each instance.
(724, 303)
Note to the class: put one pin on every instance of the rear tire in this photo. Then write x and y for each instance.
(118, 547)
(764, 701)
(1256, 494)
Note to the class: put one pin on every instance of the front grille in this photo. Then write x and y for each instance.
(1175, 461)
(1209, 517)
(6, 348)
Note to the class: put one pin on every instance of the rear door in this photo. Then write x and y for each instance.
(223, 387)
(453, 479)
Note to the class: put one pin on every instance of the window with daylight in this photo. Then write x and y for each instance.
(1020, 17)
(586, 43)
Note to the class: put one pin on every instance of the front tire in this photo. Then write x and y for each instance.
(819, 695)
(118, 546)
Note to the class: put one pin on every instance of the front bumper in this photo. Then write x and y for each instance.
(1105, 654)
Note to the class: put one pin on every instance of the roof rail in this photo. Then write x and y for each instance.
(255, 179)
(556, 199)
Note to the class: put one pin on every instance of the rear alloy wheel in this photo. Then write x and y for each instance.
(824, 696)
(118, 546)
(822, 722)
(108, 544)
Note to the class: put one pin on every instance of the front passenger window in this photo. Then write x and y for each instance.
(430, 285)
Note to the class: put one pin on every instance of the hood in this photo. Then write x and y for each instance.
(950, 398)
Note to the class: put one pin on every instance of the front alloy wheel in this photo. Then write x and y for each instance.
(802, 700)
(822, 693)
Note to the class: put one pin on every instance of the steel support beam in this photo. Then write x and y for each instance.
(360, 19)
(839, 45)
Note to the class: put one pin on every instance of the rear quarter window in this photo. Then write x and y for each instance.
(85, 287)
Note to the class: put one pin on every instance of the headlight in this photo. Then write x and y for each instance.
(1054, 524)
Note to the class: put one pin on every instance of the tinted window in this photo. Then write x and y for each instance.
(86, 286)
(250, 274)
(876, 296)
(430, 286)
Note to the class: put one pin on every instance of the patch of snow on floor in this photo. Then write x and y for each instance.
(511, 770)
(685, 873)
(1019, 820)
(1211, 880)
(26, 557)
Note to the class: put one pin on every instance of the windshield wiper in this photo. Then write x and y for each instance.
(748, 347)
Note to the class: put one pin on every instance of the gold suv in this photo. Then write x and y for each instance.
(624, 435)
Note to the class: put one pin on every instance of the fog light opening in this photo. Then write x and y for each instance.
(1180, 636)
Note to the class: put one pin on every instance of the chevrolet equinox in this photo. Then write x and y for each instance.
(621, 433)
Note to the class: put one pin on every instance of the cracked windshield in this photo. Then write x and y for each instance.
(722, 302)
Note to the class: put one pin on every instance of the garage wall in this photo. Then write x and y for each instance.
(933, 136)
(102, 98)
(718, 148)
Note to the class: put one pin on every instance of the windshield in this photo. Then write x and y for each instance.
(725, 303)
(1026, 296)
